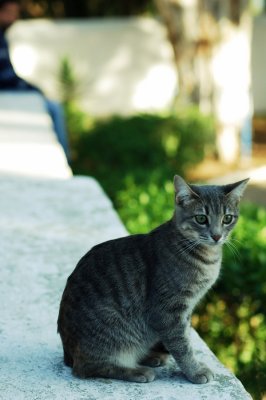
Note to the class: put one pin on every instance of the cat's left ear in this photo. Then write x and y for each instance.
(236, 190)
(183, 191)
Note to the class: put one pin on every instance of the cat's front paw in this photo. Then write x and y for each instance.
(200, 375)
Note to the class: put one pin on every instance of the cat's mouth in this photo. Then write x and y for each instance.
(212, 241)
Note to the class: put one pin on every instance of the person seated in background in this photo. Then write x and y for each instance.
(9, 80)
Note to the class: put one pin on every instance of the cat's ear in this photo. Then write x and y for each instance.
(182, 190)
(236, 190)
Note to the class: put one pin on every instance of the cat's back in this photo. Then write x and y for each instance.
(113, 273)
(133, 252)
(108, 257)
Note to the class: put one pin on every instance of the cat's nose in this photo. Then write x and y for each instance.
(216, 238)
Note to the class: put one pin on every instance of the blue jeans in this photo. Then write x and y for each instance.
(56, 112)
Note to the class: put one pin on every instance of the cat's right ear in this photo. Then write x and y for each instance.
(182, 190)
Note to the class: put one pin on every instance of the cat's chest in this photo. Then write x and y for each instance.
(206, 274)
(194, 288)
(203, 278)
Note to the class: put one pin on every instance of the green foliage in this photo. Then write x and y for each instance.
(250, 266)
(78, 123)
(69, 84)
(142, 207)
(135, 157)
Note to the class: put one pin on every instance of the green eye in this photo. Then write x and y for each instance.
(201, 219)
(227, 219)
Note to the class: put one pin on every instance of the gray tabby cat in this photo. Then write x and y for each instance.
(129, 301)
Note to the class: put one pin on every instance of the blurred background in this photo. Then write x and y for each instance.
(152, 88)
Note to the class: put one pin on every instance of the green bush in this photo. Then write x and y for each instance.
(132, 155)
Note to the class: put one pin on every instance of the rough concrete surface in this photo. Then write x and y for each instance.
(46, 226)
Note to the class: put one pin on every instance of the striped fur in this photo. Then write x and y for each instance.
(129, 301)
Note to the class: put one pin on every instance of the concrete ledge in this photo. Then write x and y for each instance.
(28, 144)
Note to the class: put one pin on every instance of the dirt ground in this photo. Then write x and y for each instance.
(212, 169)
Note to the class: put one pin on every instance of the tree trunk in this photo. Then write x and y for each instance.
(209, 37)
(174, 14)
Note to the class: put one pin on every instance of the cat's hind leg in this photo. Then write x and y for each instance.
(112, 371)
(122, 365)
(157, 356)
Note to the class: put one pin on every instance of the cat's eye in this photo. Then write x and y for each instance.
(227, 219)
(201, 219)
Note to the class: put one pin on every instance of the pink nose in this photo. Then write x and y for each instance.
(216, 238)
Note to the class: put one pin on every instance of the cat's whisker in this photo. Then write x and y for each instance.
(235, 240)
(232, 240)
(190, 246)
(233, 249)
(186, 243)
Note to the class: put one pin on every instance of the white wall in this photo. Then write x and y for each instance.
(258, 64)
(124, 65)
